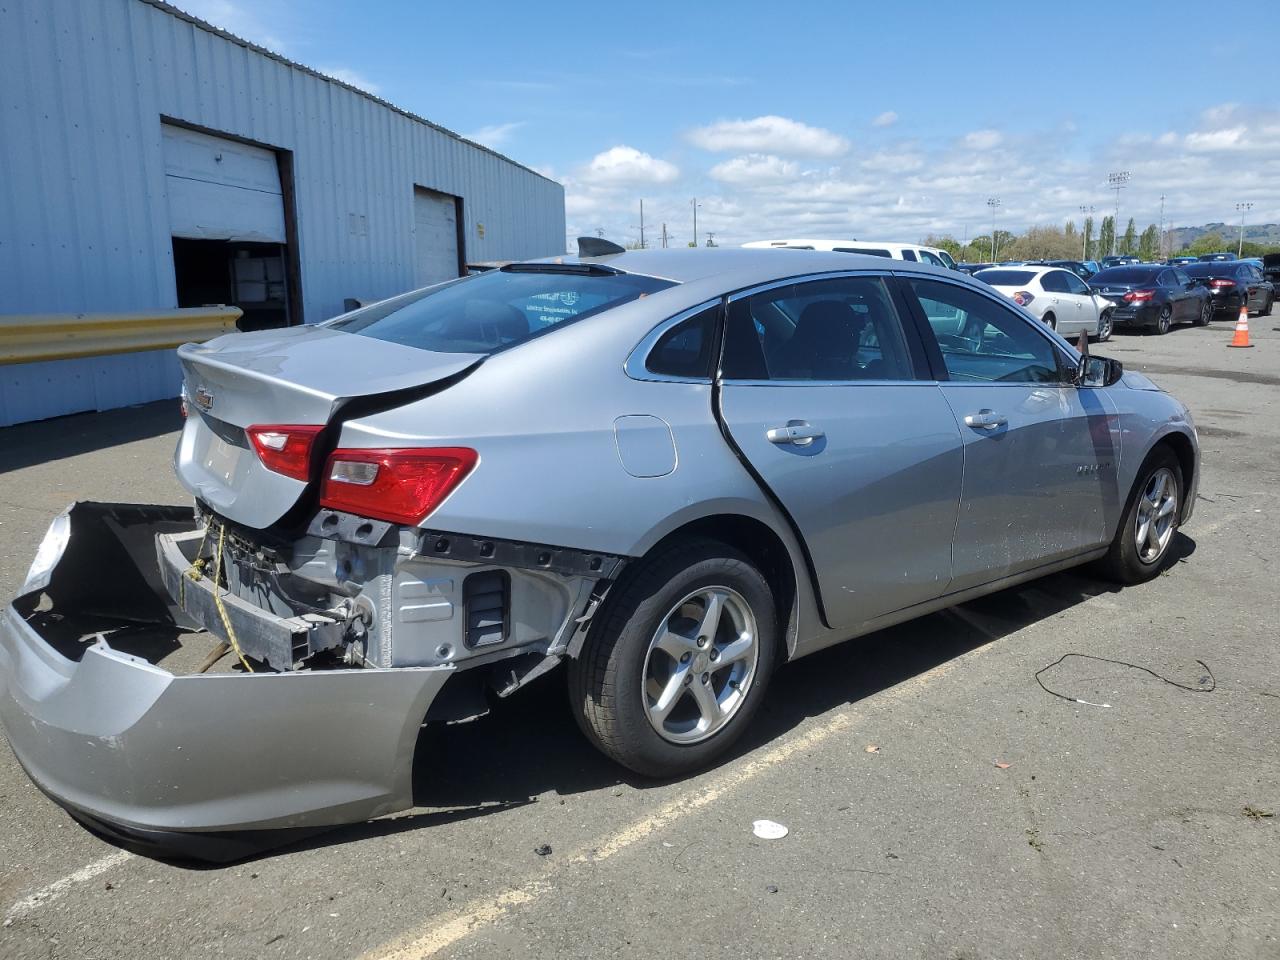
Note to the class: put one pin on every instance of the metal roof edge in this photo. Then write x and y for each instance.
(280, 58)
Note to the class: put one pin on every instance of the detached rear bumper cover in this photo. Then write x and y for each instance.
(120, 741)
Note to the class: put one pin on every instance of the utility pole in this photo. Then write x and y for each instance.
(711, 239)
(1162, 226)
(1087, 213)
(664, 236)
(1117, 182)
(694, 201)
(1243, 208)
(642, 223)
(994, 204)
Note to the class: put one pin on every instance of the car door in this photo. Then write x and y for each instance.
(1063, 310)
(1252, 280)
(1088, 306)
(829, 400)
(1182, 294)
(1040, 455)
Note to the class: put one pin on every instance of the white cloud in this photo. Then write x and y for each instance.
(983, 139)
(886, 119)
(1232, 138)
(627, 165)
(495, 135)
(754, 168)
(351, 77)
(770, 134)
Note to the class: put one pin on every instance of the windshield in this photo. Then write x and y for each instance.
(1123, 275)
(1006, 278)
(497, 309)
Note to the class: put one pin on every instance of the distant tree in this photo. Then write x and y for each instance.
(1129, 242)
(1207, 243)
(945, 242)
(1088, 237)
(1149, 243)
(1043, 243)
(1070, 228)
(1106, 236)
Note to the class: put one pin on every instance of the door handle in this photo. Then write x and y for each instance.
(986, 420)
(796, 431)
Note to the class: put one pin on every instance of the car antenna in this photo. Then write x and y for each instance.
(598, 247)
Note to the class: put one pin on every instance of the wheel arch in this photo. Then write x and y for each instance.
(1185, 451)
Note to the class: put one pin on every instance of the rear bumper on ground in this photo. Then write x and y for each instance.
(140, 752)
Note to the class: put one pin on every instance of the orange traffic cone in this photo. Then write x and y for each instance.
(1241, 339)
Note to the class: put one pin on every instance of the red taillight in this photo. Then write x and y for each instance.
(403, 486)
(1221, 284)
(285, 448)
(1138, 296)
(1022, 298)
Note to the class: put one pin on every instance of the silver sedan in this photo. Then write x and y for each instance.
(665, 472)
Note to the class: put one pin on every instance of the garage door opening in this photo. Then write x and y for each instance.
(249, 275)
(227, 218)
(437, 237)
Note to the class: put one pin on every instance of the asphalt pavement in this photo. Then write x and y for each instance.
(939, 801)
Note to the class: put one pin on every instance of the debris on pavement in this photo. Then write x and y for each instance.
(872, 748)
(771, 888)
(1003, 765)
(543, 851)
(768, 830)
(1256, 813)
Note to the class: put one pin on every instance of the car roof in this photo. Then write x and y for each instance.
(742, 266)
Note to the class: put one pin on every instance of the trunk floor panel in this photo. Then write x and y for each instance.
(178, 650)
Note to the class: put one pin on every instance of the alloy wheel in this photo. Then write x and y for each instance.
(700, 665)
(1206, 312)
(1105, 324)
(1165, 320)
(1156, 515)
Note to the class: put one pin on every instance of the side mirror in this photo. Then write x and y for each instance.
(1098, 372)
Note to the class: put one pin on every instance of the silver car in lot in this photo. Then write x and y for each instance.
(667, 471)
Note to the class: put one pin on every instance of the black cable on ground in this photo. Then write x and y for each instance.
(1213, 682)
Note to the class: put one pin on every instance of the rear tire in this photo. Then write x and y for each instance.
(1164, 320)
(1270, 303)
(623, 674)
(1139, 553)
(1050, 321)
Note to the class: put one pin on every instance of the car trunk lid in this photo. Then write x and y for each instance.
(295, 376)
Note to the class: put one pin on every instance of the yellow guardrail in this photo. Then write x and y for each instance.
(65, 336)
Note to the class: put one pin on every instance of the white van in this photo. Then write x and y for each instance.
(895, 251)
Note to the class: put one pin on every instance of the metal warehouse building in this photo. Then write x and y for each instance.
(149, 161)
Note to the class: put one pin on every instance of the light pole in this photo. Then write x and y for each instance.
(1117, 183)
(695, 203)
(1161, 257)
(642, 223)
(1087, 213)
(1243, 208)
(994, 204)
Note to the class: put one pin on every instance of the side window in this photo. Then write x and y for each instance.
(1075, 284)
(1180, 278)
(685, 349)
(868, 251)
(983, 341)
(928, 257)
(841, 329)
(1165, 278)
(1053, 282)
(908, 255)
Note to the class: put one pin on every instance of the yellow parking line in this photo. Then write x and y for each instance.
(442, 933)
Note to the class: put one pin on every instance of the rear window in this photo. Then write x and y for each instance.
(1204, 270)
(1006, 278)
(1122, 275)
(497, 309)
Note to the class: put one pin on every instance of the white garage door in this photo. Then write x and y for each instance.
(221, 190)
(435, 228)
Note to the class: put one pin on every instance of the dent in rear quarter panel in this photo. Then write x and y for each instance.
(543, 418)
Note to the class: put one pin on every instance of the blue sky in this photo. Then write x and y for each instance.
(886, 121)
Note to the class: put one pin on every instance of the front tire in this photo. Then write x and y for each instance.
(1106, 326)
(1141, 546)
(677, 666)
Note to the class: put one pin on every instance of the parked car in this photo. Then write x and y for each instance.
(1119, 260)
(1093, 265)
(1235, 282)
(1216, 257)
(458, 489)
(1271, 268)
(1154, 296)
(1054, 296)
(972, 268)
(1078, 267)
(1181, 261)
(912, 252)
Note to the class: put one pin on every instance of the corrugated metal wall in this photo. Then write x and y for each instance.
(83, 221)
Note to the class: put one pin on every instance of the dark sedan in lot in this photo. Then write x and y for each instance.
(1153, 296)
(1078, 267)
(1232, 283)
